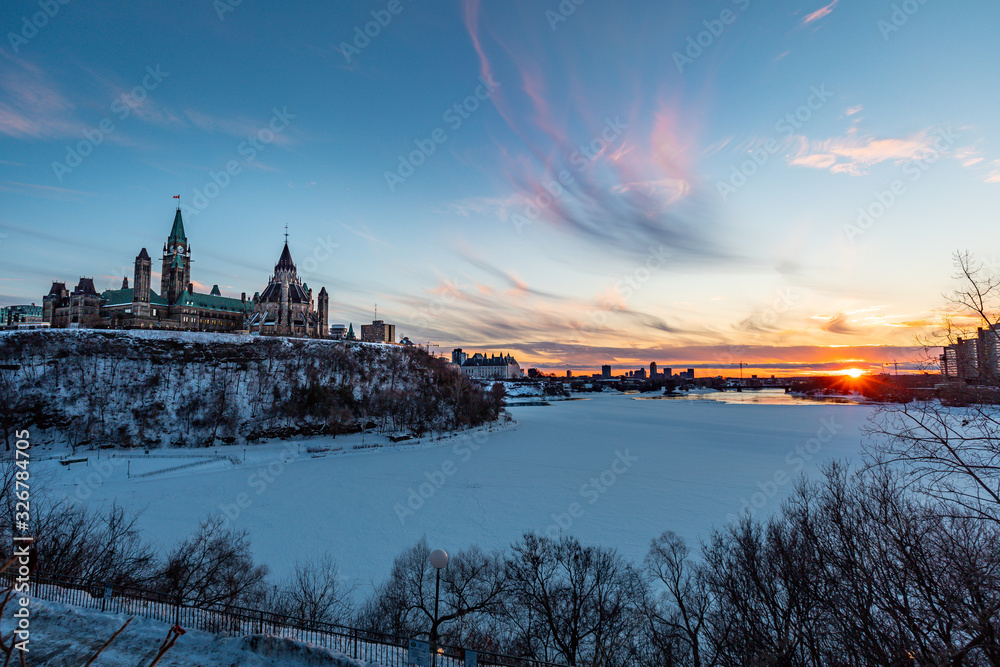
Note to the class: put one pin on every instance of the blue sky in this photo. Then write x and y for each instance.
(665, 240)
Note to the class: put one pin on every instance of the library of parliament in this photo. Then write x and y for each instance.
(284, 308)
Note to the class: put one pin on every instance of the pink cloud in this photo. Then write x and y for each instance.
(820, 13)
(856, 155)
(815, 161)
(32, 107)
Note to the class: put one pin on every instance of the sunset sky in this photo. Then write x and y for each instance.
(619, 182)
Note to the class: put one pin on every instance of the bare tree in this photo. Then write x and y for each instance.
(679, 614)
(473, 584)
(570, 602)
(952, 453)
(314, 593)
(214, 566)
(101, 546)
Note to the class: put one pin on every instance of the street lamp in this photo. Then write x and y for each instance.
(439, 560)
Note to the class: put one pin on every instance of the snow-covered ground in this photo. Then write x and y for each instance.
(67, 635)
(611, 469)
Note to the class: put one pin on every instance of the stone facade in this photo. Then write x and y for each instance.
(178, 306)
(285, 307)
(481, 367)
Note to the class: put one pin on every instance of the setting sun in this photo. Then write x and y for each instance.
(854, 372)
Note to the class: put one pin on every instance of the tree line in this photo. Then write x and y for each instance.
(857, 568)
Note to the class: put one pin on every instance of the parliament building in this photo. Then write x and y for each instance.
(284, 309)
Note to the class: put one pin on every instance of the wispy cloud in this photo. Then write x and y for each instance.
(994, 175)
(632, 182)
(44, 191)
(839, 324)
(239, 126)
(500, 207)
(31, 106)
(969, 156)
(820, 13)
(666, 190)
(365, 234)
(856, 155)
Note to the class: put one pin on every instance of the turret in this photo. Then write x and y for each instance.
(141, 280)
(323, 312)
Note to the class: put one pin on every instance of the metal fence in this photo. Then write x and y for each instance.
(386, 650)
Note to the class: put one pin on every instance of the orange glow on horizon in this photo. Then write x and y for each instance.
(848, 372)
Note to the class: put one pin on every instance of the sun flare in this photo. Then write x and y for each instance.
(854, 372)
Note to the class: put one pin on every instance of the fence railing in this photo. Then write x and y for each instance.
(386, 650)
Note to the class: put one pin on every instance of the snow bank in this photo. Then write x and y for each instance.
(67, 635)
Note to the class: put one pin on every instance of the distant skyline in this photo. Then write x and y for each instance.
(576, 183)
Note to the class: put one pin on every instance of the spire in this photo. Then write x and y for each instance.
(177, 231)
(285, 262)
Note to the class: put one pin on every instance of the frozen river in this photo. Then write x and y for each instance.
(611, 469)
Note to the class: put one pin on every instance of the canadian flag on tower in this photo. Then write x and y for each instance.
(177, 196)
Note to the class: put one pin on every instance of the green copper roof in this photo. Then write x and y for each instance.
(118, 297)
(210, 302)
(177, 231)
